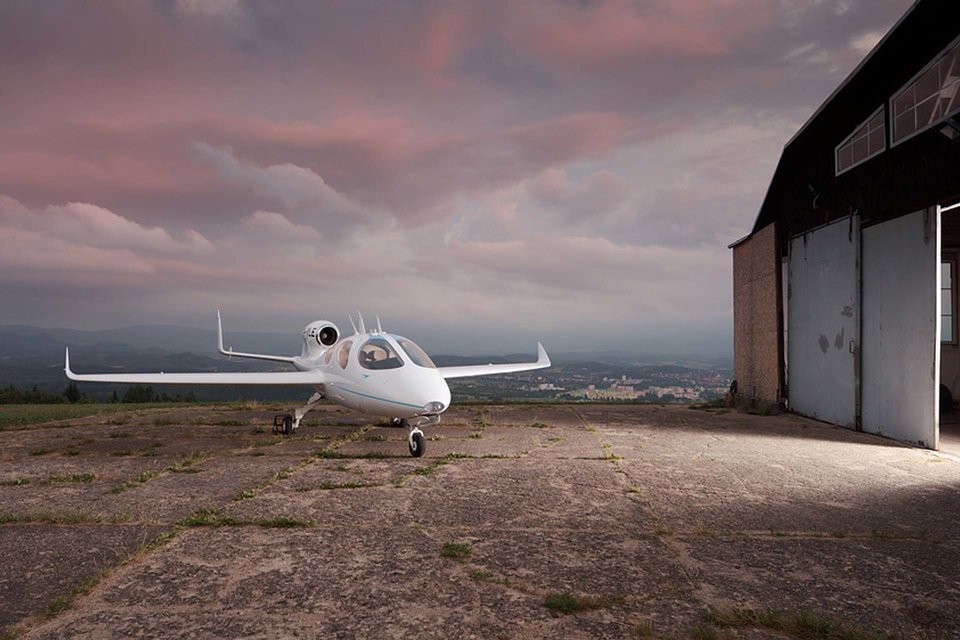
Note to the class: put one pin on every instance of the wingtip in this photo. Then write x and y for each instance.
(66, 363)
(542, 357)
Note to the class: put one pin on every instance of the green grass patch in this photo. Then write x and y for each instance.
(145, 476)
(540, 425)
(333, 454)
(230, 423)
(60, 516)
(807, 625)
(209, 518)
(73, 478)
(184, 464)
(164, 421)
(343, 485)
(21, 415)
(120, 434)
(14, 482)
(455, 550)
(567, 603)
(282, 522)
(122, 452)
(217, 518)
(42, 451)
(481, 576)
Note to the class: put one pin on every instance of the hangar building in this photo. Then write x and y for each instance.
(845, 291)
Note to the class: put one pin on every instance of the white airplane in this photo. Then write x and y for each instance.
(371, 371)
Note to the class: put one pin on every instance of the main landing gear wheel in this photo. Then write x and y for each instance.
(416, 443)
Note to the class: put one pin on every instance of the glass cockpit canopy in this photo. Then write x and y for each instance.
(416, 354)
(378, 353)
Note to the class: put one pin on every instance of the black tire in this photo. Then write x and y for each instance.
(288, 425)
(417, 445)
(398, 423)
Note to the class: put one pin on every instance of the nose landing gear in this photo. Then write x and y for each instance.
(415, 439)
(416, 442)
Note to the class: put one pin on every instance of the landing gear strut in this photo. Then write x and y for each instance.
(286, 424)
(415, 439)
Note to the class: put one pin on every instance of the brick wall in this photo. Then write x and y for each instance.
(755, 309)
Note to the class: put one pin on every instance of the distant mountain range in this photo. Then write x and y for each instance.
(34, 356)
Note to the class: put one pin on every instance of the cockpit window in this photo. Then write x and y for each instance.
(343, 356)
(417, 355)
(377, 353)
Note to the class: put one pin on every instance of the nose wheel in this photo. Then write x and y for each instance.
(416, 442)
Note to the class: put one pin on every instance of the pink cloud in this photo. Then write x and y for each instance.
(624, 32)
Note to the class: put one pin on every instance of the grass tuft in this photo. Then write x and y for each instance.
(145, 476)
(209, 518)
(342, 485)
(568, 603)
(184, 464)
(455, 550)
(282, 522)
(807, 625)
(76, 477)
(15, 482)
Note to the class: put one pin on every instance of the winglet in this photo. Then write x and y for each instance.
(220, 333)
(66, 364)
(542, 357)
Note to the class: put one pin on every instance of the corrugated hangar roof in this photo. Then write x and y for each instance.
(806, 167)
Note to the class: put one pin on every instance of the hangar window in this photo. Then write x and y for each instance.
(929, 98)
(947, 270)
(866, 141)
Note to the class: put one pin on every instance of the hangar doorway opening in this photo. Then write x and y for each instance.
(949, 329)
(866, 305)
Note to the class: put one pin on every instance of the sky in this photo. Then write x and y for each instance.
(480, 174)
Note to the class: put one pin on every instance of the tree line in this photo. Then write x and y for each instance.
(72, 395)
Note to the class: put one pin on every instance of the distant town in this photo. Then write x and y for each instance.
(603, 382)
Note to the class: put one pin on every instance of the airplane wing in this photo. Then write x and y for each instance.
(240, 354)
(259, 378)
(543, 361)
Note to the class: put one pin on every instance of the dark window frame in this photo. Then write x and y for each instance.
(951, 259)
(880, 111)
(893, 140)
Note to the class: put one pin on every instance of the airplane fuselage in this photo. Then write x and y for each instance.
(405, 390)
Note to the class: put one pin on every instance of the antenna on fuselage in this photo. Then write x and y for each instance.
(355, 332)
(379, 328)
(363, 328)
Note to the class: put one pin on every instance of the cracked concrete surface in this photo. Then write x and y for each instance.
(659, 513)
